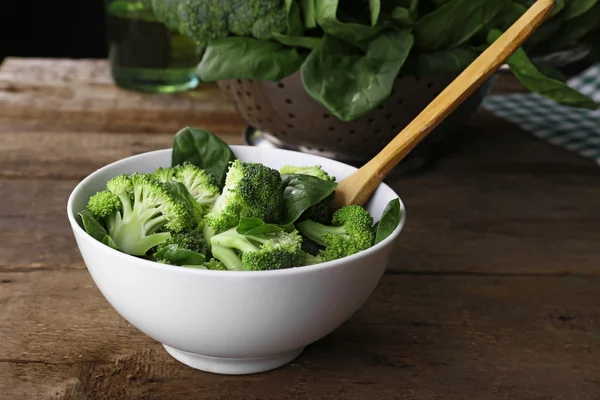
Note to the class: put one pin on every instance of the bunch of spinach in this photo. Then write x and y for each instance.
(349, 53)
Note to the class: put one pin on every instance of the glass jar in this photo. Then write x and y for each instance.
(144, 54)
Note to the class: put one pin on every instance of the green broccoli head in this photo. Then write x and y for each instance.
(320, 212)
(148, 211)
(251, 190)
(351, 232)
(257, 18)
(209, 20)
(201, 186)
(103, 203)
(267, 251)
(189, 239)
(215, 265)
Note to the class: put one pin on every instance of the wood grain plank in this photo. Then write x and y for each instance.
(72, 155)
(79, 96)
(416, 338)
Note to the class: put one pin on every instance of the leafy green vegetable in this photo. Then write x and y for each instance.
(308, 13)
(454, 23)
(247, 58)
(256, 226)
(444, 61)
(576, 8)
(109, 242)
(375, 9)
(204, 150)
(307, 42)
(301, 192)
(174, 255)
(92, 226)
(577, 28)
(535, 81)
(326, 12)
(389, 221)
(402, 17)
(294, 19)
(368, 77)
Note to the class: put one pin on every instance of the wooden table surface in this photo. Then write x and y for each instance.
(493, 291)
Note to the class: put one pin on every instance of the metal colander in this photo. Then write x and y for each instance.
(286, 114)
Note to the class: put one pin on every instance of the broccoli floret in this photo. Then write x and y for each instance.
(200, 184)
(165, 174)
(257, 252)
(215, 265)
(309, 259)
(311, 247)
(148, 208)
(103, 203)
(251, 190)
(258, 18)
(189, 239)
(209, 20)
(351, 232)
(320, 212)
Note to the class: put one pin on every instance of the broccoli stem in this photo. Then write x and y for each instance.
(315, 231)
(130, 229)
(228, 257)
(237, 242)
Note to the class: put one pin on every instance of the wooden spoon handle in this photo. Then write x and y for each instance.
(373, 173)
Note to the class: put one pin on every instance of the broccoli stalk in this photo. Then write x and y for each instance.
(148, 211)
(257, 252)
(351, 232)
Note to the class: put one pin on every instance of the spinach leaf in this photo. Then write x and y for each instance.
(577, 28)
(108, 241)
(527, 73)
(203, 149)
(256, 226)
(174, 255)
(248, 58)
(389, 221)
(350, 82)
(352, 32)
(95, 229)
(454, 23)
(92, 226)
(375, 9)
(402, 17)
(576, 8)
(295, 26)
(301, 192)
(308, 12)
(308, 42)
(450, 61)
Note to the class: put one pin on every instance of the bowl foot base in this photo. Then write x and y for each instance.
(232, 366)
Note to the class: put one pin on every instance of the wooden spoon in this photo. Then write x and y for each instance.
(358, 187)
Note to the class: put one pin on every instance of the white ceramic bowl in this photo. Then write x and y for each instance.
(232, 322)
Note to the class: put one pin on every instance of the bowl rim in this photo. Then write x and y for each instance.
(78, 230)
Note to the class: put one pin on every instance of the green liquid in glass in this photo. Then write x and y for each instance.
(145, 55)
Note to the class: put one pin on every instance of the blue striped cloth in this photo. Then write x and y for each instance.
(574, 129)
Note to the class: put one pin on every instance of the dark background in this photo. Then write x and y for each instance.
(57, 28)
